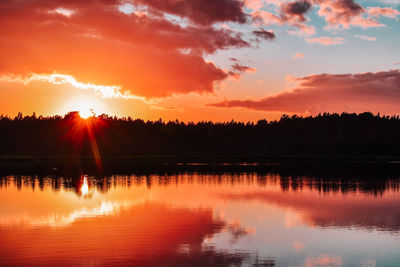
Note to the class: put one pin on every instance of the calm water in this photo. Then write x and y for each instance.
(227, 219)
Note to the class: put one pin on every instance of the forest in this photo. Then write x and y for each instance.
(346, 134)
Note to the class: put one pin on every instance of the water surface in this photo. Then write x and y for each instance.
(199, 219)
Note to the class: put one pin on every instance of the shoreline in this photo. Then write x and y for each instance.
(371, 166)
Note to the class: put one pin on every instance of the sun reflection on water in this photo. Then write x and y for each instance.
(55, 220)
(85, 187)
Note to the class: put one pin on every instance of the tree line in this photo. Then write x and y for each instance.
(346, 134)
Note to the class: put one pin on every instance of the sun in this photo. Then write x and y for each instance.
(85, 113)
(87, 106)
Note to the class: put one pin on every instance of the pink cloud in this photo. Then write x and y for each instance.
(323, 260)
(298, 55)
(303, 30)
(338, 14)
(383, 11)
(325, 40)
(267, 18)
(254, 4)
(375, 92)
(343, 14)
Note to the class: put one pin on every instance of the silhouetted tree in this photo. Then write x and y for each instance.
(347, 134)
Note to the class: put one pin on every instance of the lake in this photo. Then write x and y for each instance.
(199, 219)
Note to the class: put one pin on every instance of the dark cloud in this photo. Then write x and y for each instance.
(376, 92)
(297, 8)
(263, 34)
(241, 68)
(204, 12)
(238, 69)
(294, 12)
(350, 6)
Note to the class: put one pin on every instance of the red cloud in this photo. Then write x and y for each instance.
(376, 92)
(95, 42)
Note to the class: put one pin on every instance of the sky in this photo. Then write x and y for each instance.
(199, 60)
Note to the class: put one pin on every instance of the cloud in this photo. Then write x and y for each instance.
(365, 37)
(383, 11)
(59, 79)
(323, 260)
(297, 8)
(254, 4)
(375, 92)
(298, 55)
(343, 14)
(303, 30)
(298, 246)
(267, 18)
(149, 48)
(263, 34)
(324, 40)
(200, 11)
(242, 68)
(391, 2)
(338, 14)
(94, 42)
(238, 69)
(292, 14)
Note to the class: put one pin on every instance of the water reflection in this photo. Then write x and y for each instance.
(84, 183)
(194, 219)
(351, 211)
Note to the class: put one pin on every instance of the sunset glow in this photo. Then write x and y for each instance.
(86, 113)
(178, 60)
(200, 133)
(87, 106)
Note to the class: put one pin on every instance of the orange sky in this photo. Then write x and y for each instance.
(198, 60)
